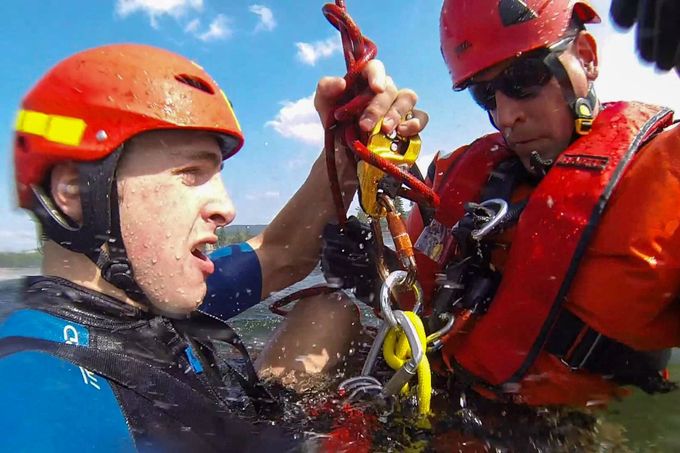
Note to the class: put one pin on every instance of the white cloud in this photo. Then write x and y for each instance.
(218, 29)
(267, 195)
(298, 120)
(309, 53)
(157, 8)
(267, 21)
(624, 77)
(192, 27)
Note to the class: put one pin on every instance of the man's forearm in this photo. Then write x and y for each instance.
(288, 249)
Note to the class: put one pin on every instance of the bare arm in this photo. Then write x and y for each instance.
(288, 249)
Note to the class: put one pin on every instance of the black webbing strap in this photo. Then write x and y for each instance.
(582, 348)
(175, 398)
(208, 330)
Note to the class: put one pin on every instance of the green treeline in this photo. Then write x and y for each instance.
(20, 259)
(232, 237)
(233, 234)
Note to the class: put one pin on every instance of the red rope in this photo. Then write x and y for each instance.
(358, 51)
(414, 184)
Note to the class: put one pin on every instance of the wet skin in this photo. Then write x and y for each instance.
(172, 199)
(544, 123)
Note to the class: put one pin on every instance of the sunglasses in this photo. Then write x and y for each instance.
(523, 79)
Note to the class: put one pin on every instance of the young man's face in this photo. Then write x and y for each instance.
(171, 201)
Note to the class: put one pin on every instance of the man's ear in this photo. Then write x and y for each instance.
(585, 47)
(65, 190)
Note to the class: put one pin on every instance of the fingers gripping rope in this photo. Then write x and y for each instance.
(358, 51)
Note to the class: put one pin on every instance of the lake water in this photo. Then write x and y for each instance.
(639, 423)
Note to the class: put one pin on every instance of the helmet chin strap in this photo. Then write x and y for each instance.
(583, 109)
(99, 237)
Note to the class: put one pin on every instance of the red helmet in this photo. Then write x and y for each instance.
(92, 102)
(477, 34)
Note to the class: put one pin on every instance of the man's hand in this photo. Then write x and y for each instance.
(387, 102)
(658, 29)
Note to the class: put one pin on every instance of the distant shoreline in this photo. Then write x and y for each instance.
(13, 273)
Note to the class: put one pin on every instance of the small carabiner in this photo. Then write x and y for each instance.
(485, 229)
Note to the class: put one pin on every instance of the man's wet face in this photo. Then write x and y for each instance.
(171, 201)
(538, 118)
(541, 122)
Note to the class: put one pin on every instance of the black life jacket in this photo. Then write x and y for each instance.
(182, 385)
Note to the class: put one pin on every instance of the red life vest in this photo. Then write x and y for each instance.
(552, 235)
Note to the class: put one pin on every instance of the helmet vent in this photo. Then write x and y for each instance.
(515, 12)
(195, 82)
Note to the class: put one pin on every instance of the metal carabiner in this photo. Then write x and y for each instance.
(408, 370)
(433, 340)
(479, 233)
(397, 279)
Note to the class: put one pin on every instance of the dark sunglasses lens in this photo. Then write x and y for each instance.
(484, 94)
(524, 78)
(521, 80)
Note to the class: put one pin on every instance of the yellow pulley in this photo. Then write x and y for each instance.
(394, 148)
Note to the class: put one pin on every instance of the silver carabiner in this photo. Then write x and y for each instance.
(434, 339)
(495, 220)
(408, 370)
(373, 353)
(394, 280)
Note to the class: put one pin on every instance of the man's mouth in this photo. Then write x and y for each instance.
(204, 263)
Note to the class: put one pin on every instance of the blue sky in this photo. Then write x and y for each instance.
(268, 56)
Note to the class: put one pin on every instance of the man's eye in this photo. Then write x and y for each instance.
(189, 175)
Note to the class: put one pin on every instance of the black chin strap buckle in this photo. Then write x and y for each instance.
(118, 272)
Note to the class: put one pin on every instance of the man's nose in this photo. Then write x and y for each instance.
(220, 208)
(508, 111)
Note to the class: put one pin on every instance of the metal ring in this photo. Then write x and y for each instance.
(396, 279)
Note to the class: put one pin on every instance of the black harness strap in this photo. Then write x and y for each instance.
(208, 330)
(582, 348)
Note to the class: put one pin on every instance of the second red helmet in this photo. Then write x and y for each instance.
(477, 34)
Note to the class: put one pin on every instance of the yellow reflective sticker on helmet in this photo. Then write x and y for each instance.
(65, 130)
(55, 128)
(32, 122)
(231, 109)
